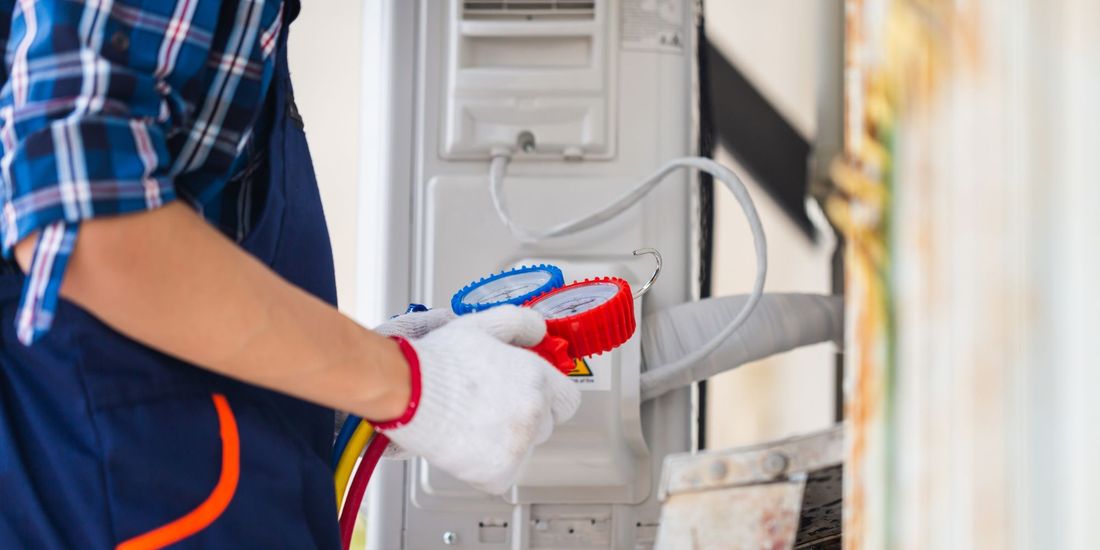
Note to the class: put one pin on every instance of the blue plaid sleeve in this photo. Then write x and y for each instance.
(95, 92)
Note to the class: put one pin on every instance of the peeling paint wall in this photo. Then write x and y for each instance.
(968, 196)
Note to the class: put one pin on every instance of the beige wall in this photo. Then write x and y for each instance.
(773, 43)
(325, 54)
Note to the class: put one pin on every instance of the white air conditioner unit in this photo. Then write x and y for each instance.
(605, 89)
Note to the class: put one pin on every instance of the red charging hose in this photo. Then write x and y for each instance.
(358, 488)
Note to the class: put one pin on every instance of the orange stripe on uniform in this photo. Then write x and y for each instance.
(200, 518)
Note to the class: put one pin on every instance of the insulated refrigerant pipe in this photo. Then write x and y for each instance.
(780, 322)
(694, 341)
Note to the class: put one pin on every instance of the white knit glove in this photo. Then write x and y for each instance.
(412, 326)
(484, 403)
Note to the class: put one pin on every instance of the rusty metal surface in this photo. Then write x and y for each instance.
(782, 494)
(754, 516)
(753, 464)
(860, 207)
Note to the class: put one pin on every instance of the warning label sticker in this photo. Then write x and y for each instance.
(653, 25)
(580, 368)
(590, 376)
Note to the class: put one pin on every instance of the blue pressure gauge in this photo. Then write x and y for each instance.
(515, 286)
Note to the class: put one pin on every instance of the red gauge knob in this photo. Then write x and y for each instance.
(556, 352)
(594, 315)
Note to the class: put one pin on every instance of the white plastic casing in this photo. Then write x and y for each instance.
(447, 91)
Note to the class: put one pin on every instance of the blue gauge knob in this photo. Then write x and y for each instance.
(514, 286)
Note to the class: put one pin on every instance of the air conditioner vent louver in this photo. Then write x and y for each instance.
(579, 10)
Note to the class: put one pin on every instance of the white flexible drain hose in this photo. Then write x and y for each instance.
(691, 356)
(780, 323)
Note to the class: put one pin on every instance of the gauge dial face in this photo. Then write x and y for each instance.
(574, 300)
(507, 288)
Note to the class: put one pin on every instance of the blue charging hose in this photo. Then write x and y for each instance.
(342, 438)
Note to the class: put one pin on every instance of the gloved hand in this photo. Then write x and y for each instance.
(483, 403)
(416, 325)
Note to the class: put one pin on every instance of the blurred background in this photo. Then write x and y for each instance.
(948, 148)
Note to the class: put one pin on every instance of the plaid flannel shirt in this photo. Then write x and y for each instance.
(111, 107)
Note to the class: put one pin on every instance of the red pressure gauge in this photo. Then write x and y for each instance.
(594, 316)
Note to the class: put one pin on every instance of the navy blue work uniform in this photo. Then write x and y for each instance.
(105, 442)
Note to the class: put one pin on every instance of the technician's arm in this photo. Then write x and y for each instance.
(167, 279)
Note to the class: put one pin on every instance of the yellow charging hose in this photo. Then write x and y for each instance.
(359, 439)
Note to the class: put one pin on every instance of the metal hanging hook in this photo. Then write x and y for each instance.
(656, 273)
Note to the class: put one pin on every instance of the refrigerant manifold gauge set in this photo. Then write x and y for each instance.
(583, 318)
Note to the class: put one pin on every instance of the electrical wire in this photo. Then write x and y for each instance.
(358, 488)
(499, 164)
(344, 467)
(350, 423)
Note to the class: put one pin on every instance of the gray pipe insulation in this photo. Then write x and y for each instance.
(780, 322)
